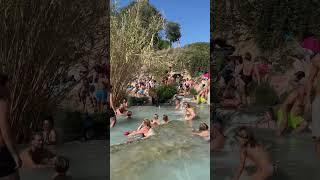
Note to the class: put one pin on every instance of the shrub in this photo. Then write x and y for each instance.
(165, 93)
(266, 95)
(193, 92)
(133, 101)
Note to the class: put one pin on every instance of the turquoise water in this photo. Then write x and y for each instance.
(172, 154)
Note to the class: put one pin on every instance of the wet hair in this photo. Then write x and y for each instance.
(203, 126)
(251, 140)
(248, 56)
(61, 164)
(34, 134)
(165, 118)
(188, 105)
(156, 115)
(50, 119)
(147, 121)
(299, 75)
(129, 113)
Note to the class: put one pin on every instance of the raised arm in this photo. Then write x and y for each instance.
(241, 166)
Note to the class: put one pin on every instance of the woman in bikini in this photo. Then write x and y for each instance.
(142, 130)
(189, 114)
(254, 152)
(249, 70)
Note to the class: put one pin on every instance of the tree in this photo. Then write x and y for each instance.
(173, 33)
(40, 42)
(269, 23)
(131, 46)
(193, 58)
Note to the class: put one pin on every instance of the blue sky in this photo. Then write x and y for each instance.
(192, 15)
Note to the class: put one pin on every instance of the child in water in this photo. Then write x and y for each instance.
(251, 150)
(61, 168)
(165, 119)
(129, 114)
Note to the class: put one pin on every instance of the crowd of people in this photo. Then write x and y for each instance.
(145, 85)
(299, 112)
(238, 76)
(94, 87)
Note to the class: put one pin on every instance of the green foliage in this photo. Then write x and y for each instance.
(193, 92)
(173, 33)
(145, 14)
(266, 95)
(134, 101)
(196, 58)
(131, 45)
(163, 44)
(271, 22)
(40, 42)
(165, 93)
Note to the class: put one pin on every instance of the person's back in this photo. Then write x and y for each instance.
(259, 156)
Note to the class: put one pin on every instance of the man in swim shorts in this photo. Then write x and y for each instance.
(101, 94)
(9, 158)
(313, 105)
(290, 114)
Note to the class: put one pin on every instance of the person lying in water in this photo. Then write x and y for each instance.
(291, 112)
(36, 156)
(142, 129)
(203, 131)
(218, 139)
(254, 152)
(155, 121)
(189, 113)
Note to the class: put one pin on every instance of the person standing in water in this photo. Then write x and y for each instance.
(251, 150)
(291, 112)
(9, 158)
(189, 114)
(313, 105)
(111, 111)
(101, 95)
